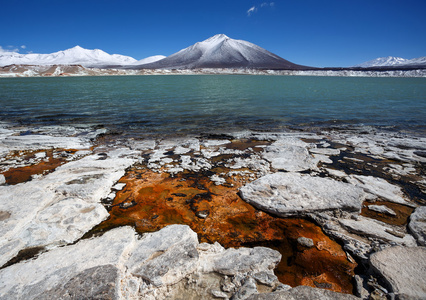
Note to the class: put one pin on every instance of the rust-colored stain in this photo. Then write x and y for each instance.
(403, 212)
(42, 167)
(152, 200)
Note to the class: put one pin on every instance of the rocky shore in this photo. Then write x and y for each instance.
(335, 214)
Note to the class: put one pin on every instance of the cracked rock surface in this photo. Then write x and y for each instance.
(331, 178)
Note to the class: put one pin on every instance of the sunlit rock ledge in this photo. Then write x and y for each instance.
(78, 70)
(162, 219)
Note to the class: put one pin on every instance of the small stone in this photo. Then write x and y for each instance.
(219, 294)
(227, 285)
(202, 214)
(306, 242)
(382, 209)
(265, 278)
(360, 290)
(111, 196)
(2, 179)
(127, 204)
(40, 155)
(378, 295)
(282, 288)
(119, 186)
(246, 290)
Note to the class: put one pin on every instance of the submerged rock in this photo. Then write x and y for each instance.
(306, 242)
(289, 194)
(403, 269)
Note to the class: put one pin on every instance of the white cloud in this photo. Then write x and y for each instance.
(251, 10)
(23, 47)
(8, 51)
(255, 8)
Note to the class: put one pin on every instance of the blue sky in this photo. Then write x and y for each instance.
(309, 32)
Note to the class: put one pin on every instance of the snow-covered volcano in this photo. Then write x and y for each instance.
(221, 51)
(73, 56)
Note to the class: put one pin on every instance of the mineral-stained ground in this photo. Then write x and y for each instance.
(323, 202)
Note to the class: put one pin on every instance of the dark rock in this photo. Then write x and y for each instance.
(303, 293)
(94, 283)
(179, 194)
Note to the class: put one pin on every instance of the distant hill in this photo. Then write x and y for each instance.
(221, 51)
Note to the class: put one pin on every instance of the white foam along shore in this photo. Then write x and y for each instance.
(54, 211)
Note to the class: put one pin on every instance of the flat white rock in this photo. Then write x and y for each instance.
(403, 269)
(60, 207)
(375, 229)
(290, 154)
(287, 194)
(122, 265)
(380, 187)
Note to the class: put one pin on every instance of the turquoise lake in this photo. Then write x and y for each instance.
(182, 104)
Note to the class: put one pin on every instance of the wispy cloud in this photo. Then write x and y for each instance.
(251, 10)
(8, 50)
(12, 49)
(255, 8)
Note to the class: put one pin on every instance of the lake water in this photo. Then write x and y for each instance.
(214, 103)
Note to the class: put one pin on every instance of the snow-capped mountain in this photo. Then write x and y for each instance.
(382, 61)
(73, 56)
(391, 61)
(149, 60)
(419, 61)
(221, 51)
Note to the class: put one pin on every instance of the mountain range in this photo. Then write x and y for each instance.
(74, 56)
(391, 61)
(219, 51)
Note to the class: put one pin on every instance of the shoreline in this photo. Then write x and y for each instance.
(365, 192)
(78, 70)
